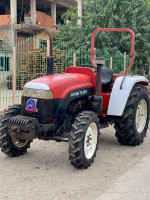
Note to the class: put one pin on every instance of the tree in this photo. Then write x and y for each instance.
(133, 14)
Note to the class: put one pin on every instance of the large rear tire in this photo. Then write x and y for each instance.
(11, 146)
(83, 141)
(132, 126)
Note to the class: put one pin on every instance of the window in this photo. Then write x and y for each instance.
(4, 63)
(43, 43)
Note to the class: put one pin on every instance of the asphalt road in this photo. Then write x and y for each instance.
(45, 173)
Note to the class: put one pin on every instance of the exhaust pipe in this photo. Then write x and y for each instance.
(97, 100)
(50, 58)
(50, 65)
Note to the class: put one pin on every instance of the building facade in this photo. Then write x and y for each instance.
(21, 19)
(17, 16)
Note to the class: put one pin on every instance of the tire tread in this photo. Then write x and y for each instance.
(6, 143)
(76, 140)
(125, 128)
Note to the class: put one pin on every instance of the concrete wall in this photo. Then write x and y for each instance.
(3, 78)
(4, 34)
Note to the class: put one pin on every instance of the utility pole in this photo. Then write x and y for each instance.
(12, 32)
(33, 11)
(13, 12)
(53, 11)
(80, 12)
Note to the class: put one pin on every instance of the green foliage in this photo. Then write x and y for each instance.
(133, 14)
(70, 31)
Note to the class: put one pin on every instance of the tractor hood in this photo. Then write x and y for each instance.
(61, 84)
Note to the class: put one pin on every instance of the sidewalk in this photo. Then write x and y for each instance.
(133, 185)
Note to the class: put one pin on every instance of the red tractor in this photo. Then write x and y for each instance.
(74, 105)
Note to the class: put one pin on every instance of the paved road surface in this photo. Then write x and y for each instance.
(134, 184)
(44, 173)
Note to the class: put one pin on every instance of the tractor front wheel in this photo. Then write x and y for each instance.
(9, 145)
(132, 126)
(83, 141)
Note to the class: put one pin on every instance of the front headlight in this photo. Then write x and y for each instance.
(41, 94)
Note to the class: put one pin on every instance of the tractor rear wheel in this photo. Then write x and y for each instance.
(83, 141)
(9, 145)
(132, 126)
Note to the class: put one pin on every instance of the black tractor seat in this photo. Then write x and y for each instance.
(106, 78)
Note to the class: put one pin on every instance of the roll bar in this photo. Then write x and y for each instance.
(132, 53)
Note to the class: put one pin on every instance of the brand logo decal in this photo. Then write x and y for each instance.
(31, 105)
(82, 92)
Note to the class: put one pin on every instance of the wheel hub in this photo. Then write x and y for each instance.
(90, 140)
(141, 115)
(19, 143)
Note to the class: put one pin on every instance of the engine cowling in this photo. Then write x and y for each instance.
(57, 90)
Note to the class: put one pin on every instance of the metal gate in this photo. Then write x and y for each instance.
(6, 58)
